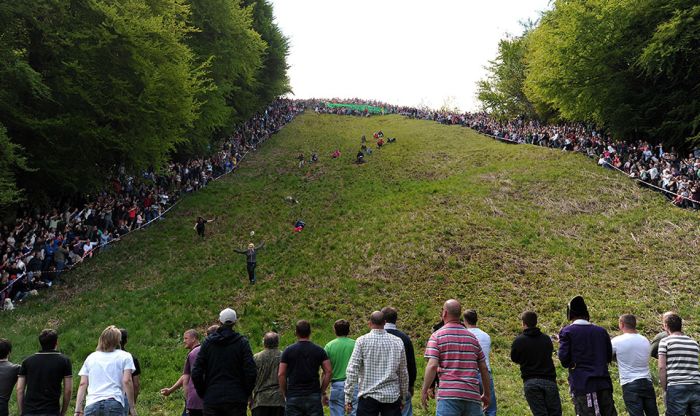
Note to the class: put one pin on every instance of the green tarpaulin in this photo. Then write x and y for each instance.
(358, 107)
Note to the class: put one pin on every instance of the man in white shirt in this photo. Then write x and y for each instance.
(470, 320)
(632, 352)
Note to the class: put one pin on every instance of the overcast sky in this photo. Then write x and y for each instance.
(408, 52)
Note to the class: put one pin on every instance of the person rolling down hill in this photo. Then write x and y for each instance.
(250, 254)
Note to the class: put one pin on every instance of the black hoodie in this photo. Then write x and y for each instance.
(533, 351)
(224, 371)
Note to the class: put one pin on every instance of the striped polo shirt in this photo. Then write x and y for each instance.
(681, 353)
(458, 353)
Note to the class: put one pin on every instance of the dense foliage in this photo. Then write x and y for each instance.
(630, 66)
(87, 86)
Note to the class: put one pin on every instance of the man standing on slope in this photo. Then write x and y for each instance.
(470, 319)
(193, 403)
(454, 354)
(585, 349)
(632, 352)
(267, 398)
(378, 367)
(391, 316)
(298, 374)
(224, 371)
(533, 351)
(251, 259)
(339, 351)
(40, 378)
(679, 374)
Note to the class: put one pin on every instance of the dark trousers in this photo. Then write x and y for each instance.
(640, 398)
(3, 407)
(230, 409)
(251, 272)
(543, 397)
(309, 405)
(599, 403)
(367, 406)
(195, 412)
(268, 411)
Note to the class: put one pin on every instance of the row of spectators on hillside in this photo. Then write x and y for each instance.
(676, 175)
(40, 244)
(375, 374)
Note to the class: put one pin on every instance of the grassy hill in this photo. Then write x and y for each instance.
(443, 213)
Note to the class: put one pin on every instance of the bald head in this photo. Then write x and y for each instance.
(271, 340)
(453, 309)
(377, 320)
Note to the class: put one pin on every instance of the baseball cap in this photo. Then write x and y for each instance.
(228, 316)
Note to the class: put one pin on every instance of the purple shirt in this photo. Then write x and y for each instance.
(192, 401)
(585, 349)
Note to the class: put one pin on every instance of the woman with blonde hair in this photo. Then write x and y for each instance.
(106, 377)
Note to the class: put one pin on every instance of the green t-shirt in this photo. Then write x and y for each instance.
(339, 351)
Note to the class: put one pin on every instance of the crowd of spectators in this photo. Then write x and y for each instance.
(676, 175)
(40, 245)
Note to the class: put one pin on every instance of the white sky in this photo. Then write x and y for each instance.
(408, 52)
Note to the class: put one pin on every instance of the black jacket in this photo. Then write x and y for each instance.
(224, 371)
(533, 351)
(410, 355)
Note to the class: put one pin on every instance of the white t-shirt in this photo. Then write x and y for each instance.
(633, 352)
(485, 342)
(105, 371)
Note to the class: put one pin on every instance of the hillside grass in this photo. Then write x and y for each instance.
(443, 213)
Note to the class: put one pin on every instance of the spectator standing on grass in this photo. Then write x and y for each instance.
(251, 259)
(455, 356)
(267, 398)
(632, 352)
(136, 374)
(193, 403)
(298, 374)
(532, 350)
(470, 320)
(224, 372)
(106, 384)
(40, 378)
(585, 349)
(391, 315)
(339, 352)
(378, 367)
(8, 376)
(679, 374)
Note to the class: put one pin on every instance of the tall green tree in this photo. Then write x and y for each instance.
(230, 52)
(631, 66)
(95, 84)
(502, 92)
(11, 159)
(272, 77)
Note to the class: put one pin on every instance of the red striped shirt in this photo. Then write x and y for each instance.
(458, 353)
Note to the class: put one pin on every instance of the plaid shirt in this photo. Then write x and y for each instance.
(378, 365)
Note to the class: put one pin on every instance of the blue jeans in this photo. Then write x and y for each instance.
(456, 407)
(109, 407)
(309, 405)
(683, 400)
(408, 406)
(336, 404)
(640, 398)
(491, 410)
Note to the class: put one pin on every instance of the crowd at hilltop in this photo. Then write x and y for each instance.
(41, 244)
(376, 374)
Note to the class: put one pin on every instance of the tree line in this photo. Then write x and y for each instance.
(89, 86)
(632, 67)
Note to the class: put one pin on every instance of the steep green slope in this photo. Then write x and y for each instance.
(442, 213)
